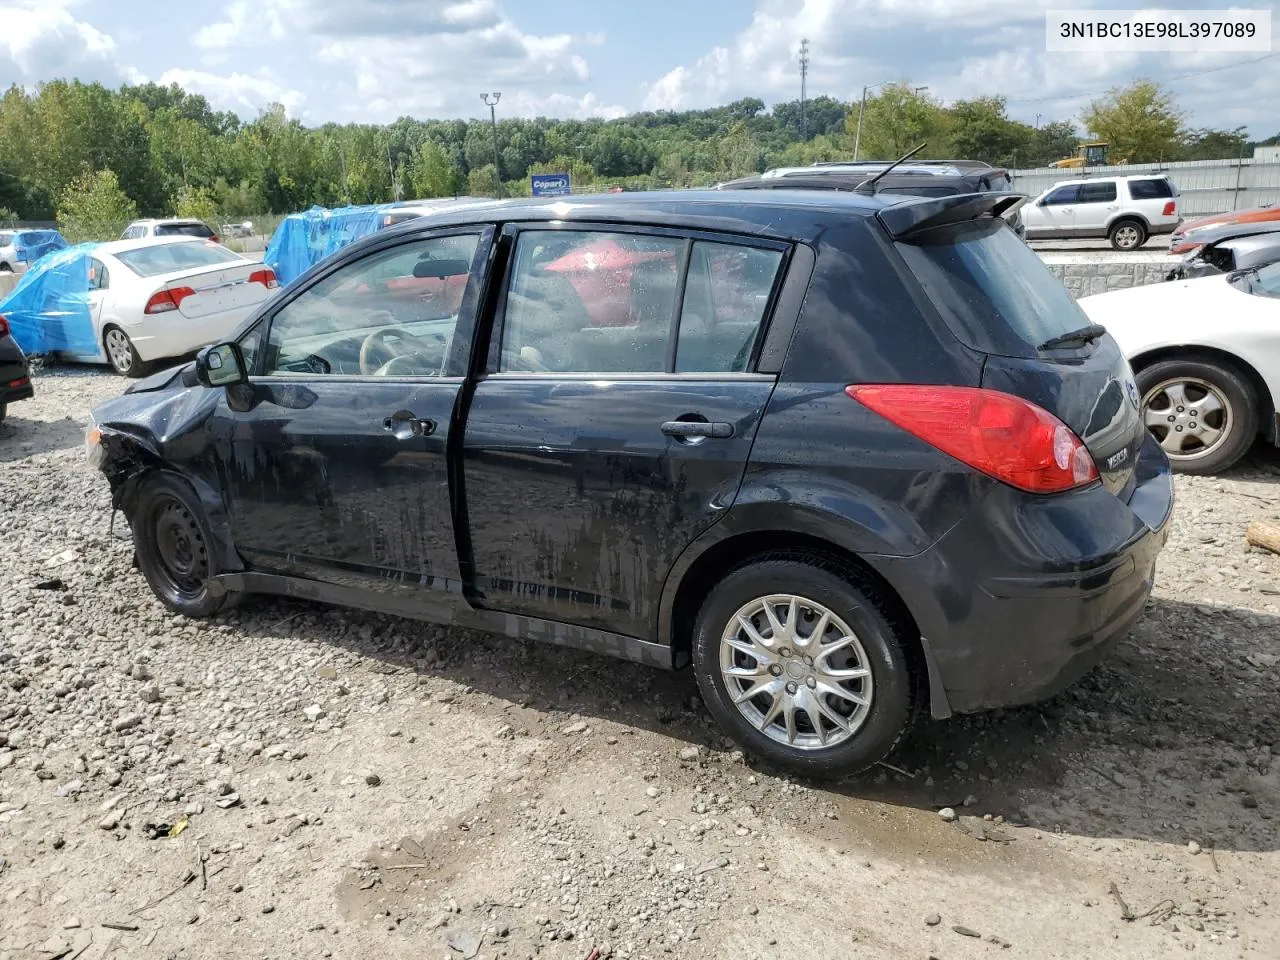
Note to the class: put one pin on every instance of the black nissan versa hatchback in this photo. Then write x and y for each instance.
(847, 455)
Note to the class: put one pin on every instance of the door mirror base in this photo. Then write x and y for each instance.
(221, 365)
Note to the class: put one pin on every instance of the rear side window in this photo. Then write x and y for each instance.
(6, 239)
(1067, 194)
(184, 230)
(1157, 189)
(992, 290)
(597, 302)
(1104, 191)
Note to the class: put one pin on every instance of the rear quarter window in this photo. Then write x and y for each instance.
(992, 291)
(1154, 189)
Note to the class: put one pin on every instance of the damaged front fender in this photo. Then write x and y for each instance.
(164, 427)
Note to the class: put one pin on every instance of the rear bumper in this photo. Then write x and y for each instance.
(15, 376)
(1158, 228)
(1028, 593)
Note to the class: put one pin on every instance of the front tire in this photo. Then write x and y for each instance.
(123, 354)
(803, 664)
(1204, 414)
(1127, 235)
(172, 543)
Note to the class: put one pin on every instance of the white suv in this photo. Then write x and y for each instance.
(174, 227)
(1125, 210)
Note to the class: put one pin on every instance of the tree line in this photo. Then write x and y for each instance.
(92, 157)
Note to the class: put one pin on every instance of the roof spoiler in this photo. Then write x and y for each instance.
(912, 216)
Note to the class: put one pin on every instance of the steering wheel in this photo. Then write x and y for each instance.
(377, 341)
(527, 360)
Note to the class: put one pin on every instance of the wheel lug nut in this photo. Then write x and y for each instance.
(775, 670)
(785, 652)
(808, 661)
(791, 688)
(1171, 419)
(811, 683)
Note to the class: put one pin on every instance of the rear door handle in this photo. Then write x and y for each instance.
(689, 429)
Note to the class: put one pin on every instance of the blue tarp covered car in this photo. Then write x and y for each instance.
(304, 239)
(48, 311)
(21, 248)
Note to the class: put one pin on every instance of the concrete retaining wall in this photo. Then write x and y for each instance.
(1086, 279)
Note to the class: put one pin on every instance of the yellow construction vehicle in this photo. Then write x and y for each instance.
(1092, 154)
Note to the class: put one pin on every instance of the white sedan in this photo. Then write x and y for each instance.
(1206, 357)
(163, 297)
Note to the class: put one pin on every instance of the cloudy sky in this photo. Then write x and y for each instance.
(374, 60)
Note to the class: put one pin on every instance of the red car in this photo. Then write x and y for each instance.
(1183, 239)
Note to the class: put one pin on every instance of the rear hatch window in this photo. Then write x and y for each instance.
(997, 297)
(184, 230)
(991, 289)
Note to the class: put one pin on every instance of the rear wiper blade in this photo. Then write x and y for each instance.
(1076, 338)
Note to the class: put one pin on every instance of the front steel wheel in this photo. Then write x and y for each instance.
(796, 671)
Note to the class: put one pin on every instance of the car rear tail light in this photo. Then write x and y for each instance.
(266, 276)
(1170, 208)
(20, 382)
(4, 327)
(162, 301)
(1001, 435)
(216, 239)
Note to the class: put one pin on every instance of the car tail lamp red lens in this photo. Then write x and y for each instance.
(4, 327)
(215, 238)
(266, 276)
(1001, 435)
(162, 301)
(1170, 208)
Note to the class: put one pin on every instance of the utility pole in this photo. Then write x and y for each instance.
(804, 77)
(493, 120)
(857, 136)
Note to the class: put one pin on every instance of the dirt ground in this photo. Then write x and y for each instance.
(351, 785)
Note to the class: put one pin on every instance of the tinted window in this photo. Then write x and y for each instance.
(1104, 191)
(172, 257)
(391, 313)
(1158, 189)
(589, 301)
(725, 300)
(184, 230)
(992, 290)
(99, 278)
(1067, 194)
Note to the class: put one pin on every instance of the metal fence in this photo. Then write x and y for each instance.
(1206, 186)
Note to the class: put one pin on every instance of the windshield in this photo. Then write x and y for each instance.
(172, 257)
(991, 289)
(184, 230)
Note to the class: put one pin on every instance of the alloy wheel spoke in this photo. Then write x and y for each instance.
(806, 701)
(1173, 441)
(1156, 418)
(1177, 394)
(813, 642)
(839, 691)
(1208, 404)
(775, 624)
(844, 643)
(1206, 434)
(851, 673)
(770, 715)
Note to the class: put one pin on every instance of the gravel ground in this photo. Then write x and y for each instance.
(350, 785)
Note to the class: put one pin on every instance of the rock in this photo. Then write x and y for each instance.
(1249, 801)
(110, 821)
(690, 753)
(652, 793)
(966, 932)
(71, 923)
(1193, 848)
(578, 726)
(971, 801)
(70, 788)
(229, 801)
(150, 693)
(464, 942)
(140, 672)
(268, 908)
(932, 920)
(372, 779)
(947, 814)
(314, 712)
(752, 910)
(127, 722)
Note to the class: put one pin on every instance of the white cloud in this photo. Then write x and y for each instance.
(44, 42)
(240, 92)
(390, 58)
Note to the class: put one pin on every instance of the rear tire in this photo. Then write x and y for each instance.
(4, 411)
(173, 548)
(1234, 416)
(123, 354)
(825, 707)
(1127, 234)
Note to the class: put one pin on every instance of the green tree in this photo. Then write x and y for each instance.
(899, 119)
(482, 182)
(93, 207)
(197, 203)
(980, 130)
(1053, 142)
(1141, 122)
(1206, 144)
(431, 173)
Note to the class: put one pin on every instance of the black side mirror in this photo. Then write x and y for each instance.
(221, 365)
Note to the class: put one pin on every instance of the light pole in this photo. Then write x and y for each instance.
(493, 120)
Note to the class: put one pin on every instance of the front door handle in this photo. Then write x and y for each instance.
(404, 425)
(691, 429)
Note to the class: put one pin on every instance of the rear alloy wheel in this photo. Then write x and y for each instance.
(803, 666)
(1204, 415)
(173, 549)
(1127, 235)
(122, 353)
